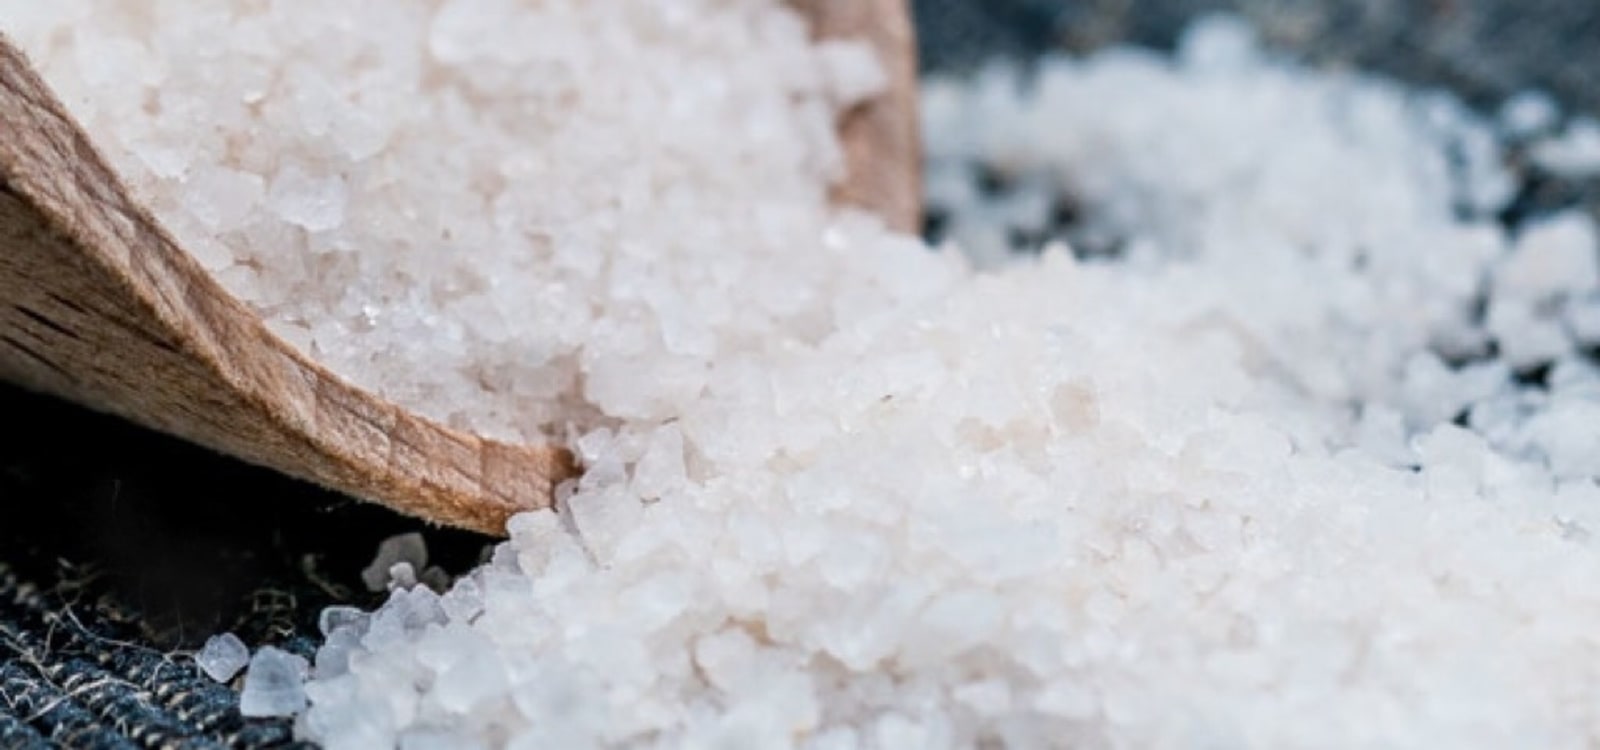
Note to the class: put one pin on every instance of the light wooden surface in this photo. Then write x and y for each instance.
(99, 305)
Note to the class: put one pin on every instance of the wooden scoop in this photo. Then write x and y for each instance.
(99, 305)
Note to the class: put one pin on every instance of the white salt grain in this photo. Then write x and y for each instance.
(337, 617)
(1574, 153)
(222, 656)
(409, 550)
(1529, 113)
(274, 684)
(1583, 318)
(423, 738)
(1557, 255)
(314, 203)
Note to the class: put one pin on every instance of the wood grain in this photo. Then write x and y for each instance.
(100, 306)
(881, 137)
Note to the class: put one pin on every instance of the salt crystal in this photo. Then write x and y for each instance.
(424, 738)
(1218, 42)
(164, 159)
(661, 468)
(222, 656)
(1528, 113)
(313, 202)
(1582, 315)
(273, 686)
(1526, 339)
(402, 576)
(463, 601)
(338, 617)
(1565, 433)
(1573, 154)
(221, 198)
(1554, 256)
(409, 548)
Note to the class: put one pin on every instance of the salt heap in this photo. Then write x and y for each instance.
(1271, 471)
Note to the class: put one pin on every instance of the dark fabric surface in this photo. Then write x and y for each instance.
(120, 550)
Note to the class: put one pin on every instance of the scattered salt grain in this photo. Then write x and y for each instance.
(1575, 153)
(409, 550)
(1554, 256)
(438, 739)
(274, 684)
(338, 617)
(314, 203)
(222, 656)
(402, 575)
(1529, 113)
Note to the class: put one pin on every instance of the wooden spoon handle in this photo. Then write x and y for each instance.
(881, 140)
(100, 306)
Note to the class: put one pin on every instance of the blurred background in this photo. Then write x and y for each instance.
(120, 548)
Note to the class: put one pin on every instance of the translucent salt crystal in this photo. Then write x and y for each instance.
(602, 518)
(407, 548)
(1574, 154)
(274, 684)
(1528, 113)
(222, 657)
(1554, 256)
(661, 468)
(1582, 317)
(343, 718)
(1218, 42)
(463, 601)
(1068, 699)
(340, 617)
(895, 730)
(836, 738)
(114, 61)
(988, 697)
(333, 656)
(362, 134)
(564, 709)
(315, 102)
(460, 28)
(478, 677)
(402, 575)
(1525, 338)
(851, 559)
(417, 606)
(951, 623)
(426, 738)
(1565, 433)
(163, 159)
(313, 202)
(221, 198)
